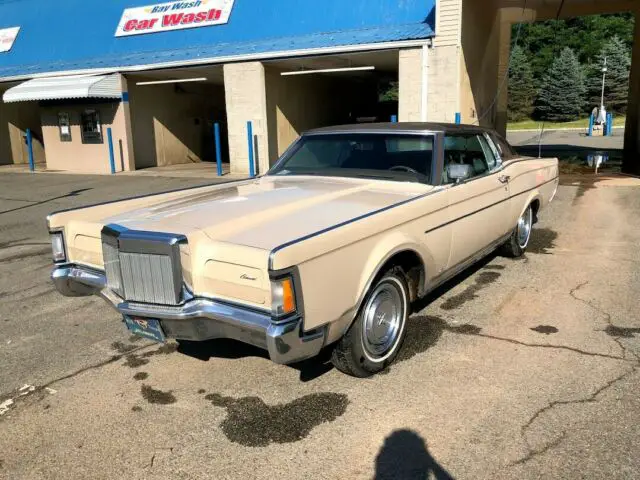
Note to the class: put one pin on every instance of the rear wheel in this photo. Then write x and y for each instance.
(376, 336)
(519, 239)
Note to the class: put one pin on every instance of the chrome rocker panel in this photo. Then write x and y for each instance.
(202, 319)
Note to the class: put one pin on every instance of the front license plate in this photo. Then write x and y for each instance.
(145, 327)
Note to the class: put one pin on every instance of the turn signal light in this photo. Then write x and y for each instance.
(283, 301)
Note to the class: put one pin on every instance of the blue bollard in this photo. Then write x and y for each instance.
(591, 122)
(112, 160)
(394, 119)
(458, 118)
(216, 134)
(609, 124)
(32, 165)
(252, 170)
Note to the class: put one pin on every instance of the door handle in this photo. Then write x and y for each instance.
(504, 179)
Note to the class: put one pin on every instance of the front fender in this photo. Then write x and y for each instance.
(385, 249)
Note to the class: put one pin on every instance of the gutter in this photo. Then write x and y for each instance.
(230, 59)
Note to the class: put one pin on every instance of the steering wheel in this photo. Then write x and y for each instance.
(402, 168)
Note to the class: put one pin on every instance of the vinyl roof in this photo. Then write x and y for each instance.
(78, 35)
(397, 128)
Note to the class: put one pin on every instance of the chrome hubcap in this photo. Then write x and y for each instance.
(524, 228)
(383, 321)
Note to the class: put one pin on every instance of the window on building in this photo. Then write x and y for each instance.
(91, 128)
(64, 124)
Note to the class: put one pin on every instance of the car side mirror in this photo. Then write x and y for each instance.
(457, 172)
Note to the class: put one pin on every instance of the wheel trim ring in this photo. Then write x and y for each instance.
(524, 228)
(393, 328)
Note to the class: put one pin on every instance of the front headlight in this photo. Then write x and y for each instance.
(283, 297)
(57, 245)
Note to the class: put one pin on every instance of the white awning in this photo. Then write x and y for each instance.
(59, 88)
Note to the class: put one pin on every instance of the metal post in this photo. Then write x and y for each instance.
(216, 134)
(32, 165)
(458, 118)
(252, 170)
(604, 77)
(112, 160)
(609, 124)
(591, 122)
(394, 119)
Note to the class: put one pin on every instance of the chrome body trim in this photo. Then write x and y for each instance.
(201, 319)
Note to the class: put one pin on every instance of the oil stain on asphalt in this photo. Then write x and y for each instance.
(253, 423)
(545, 329)
(621, 332)
(471, 292)
(159, 397)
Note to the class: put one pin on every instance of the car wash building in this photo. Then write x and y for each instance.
(129, 84)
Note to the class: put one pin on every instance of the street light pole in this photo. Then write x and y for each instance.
(604, 77)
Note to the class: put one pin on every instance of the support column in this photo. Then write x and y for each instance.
(504, 54)
(246, 100)
(632, 129)
(124, 153)
(412, 84)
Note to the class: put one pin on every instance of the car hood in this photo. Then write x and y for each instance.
(269, 211)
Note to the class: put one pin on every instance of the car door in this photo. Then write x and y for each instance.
(478, 206)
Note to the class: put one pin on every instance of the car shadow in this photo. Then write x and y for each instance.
(234, 350)
(424, 302)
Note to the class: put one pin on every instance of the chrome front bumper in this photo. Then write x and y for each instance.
(202, 319)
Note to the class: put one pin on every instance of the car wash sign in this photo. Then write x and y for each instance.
(7, 38)
(174, 16)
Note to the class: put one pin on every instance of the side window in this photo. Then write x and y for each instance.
(494, 151)
(467, 149)
(506, 152)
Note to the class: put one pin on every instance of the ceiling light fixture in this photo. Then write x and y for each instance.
(328, 70)
(177, 80)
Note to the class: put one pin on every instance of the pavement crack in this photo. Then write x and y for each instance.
(542, 450)
(607, 318)
(551, 346)
(591, 398)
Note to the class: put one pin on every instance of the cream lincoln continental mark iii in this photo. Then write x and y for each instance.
(328, 249)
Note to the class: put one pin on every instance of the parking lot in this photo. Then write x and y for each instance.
(516, 369)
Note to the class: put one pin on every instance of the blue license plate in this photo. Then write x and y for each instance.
(145, 327)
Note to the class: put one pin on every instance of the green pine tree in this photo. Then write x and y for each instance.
(616, 89)
(522, 90)
(563, 94)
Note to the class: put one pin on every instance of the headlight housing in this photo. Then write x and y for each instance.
(57, 246)
(283, 296)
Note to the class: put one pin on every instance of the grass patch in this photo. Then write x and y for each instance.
(582, 123)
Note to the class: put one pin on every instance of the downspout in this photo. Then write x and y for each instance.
(425, 82)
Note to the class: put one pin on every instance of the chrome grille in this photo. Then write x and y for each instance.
(148, 278)
(143, 266)
(112, 267)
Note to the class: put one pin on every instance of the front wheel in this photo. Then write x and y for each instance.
(519, 239)
(376, 336)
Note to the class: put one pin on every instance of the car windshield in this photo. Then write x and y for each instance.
(386, 156)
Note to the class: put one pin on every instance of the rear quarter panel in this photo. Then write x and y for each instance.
(531, 179)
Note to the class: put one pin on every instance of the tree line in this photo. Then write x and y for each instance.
(556, 67)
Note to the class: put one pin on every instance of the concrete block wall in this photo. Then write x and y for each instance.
(443, 78)
(246, 100)
(410, 66)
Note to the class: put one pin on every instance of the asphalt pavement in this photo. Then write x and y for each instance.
(516, 369)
